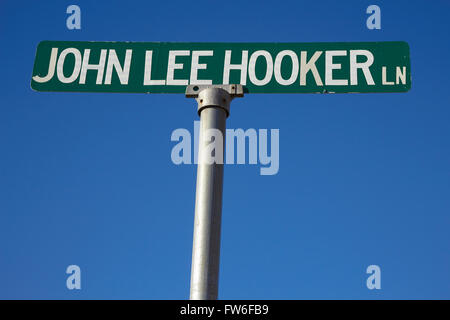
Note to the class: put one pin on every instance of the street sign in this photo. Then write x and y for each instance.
(168, 67)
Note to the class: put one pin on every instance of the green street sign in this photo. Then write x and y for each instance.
(168, 67)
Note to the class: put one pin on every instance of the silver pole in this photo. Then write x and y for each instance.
(213, 109)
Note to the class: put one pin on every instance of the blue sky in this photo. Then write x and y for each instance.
(87, 178)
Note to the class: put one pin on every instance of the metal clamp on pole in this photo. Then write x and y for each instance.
(214, 95)
(213, 109)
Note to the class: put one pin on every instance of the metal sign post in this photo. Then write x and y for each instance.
(213, 109)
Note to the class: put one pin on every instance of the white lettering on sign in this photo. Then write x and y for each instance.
(305, 67)
(383, 76)
(252, 68)
(100, 67)
(148, 71)
(330, 66)
(195, 66)
(113, 63)
(51, 67)
(277, 68)
(400, 75)
(172, 66)
(242, 67)
(364, 66)
(82, 66)
(76, 68)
